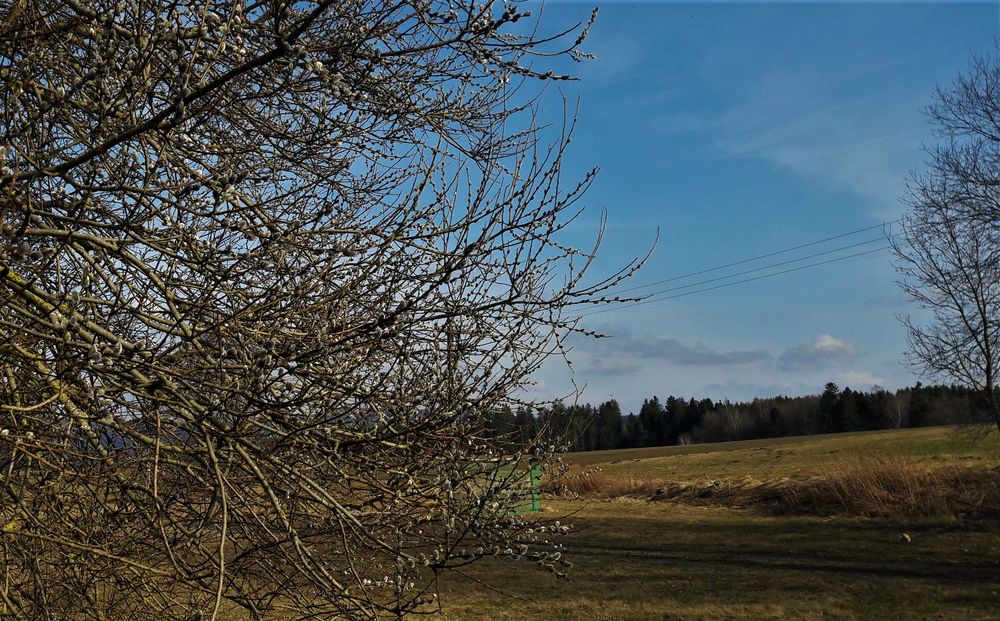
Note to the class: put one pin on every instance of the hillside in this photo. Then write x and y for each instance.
(728, 554)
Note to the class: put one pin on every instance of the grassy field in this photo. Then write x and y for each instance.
(796, 456)
(643, 559)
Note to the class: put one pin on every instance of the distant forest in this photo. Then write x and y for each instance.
(686, 421)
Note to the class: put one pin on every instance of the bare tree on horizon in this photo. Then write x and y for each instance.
(948, 251)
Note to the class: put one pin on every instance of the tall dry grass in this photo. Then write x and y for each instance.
(867, 487)
(894, 486)
(597, 484)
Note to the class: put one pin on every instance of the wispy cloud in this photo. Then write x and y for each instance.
(608, 367)
(626, 349)
(736, 390)
(849, 117)
(854, 145)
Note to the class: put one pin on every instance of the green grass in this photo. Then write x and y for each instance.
(795, 457)
(638, 559)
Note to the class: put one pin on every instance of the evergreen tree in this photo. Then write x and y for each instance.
(828, 405)
(920, 407)
(846, 412)
(654, 422)
(609, 425)
(676, 415)
(635, 432)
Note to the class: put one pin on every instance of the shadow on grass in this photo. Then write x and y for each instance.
(656, 561)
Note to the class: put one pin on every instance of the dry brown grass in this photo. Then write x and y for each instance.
(897, 486)
(597, 484)
(869, 486)
(640, 560)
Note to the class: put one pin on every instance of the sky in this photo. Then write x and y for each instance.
(724, 132)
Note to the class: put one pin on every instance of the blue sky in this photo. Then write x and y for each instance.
(739, 130)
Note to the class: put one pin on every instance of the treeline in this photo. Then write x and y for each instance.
(677, 420)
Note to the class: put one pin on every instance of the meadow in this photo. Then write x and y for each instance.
(793, 528)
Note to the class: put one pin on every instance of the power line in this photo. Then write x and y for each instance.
(758, 257)
(792, 313)
(738, 282)
(767, 267)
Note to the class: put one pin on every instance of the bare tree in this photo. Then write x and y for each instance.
(967, 162)
(266, 267)
(949, 247)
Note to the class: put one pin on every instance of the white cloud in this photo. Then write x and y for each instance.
(833, 346)
(626, 370)
(859, 380)
(817, 353)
